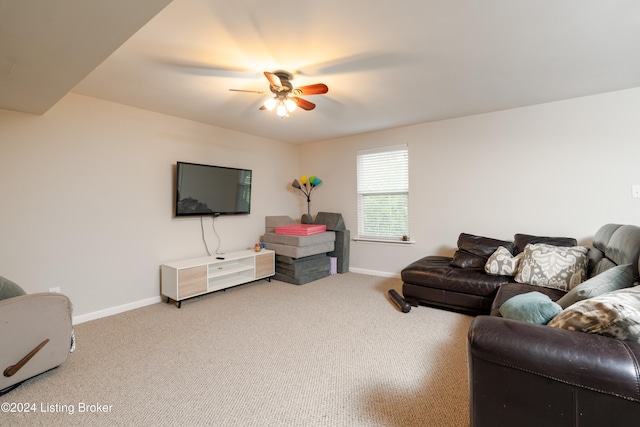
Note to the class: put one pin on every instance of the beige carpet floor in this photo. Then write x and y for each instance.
(334, 352)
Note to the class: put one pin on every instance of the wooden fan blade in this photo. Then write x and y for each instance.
(273, 79)
(316, 89)
(303, 103)
(249, 91)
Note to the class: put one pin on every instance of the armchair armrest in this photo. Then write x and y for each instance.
(532, 375)
(35, 331)
(576, 358)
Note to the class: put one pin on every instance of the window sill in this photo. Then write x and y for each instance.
(384, 242)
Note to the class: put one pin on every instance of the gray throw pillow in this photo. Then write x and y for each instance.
(8, 289)
(615, 278)
(532, 307)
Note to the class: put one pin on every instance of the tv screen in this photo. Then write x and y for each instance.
(212, 190)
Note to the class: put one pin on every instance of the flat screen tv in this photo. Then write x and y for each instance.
(212, 190)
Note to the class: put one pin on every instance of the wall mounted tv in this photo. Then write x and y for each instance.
(212, 190)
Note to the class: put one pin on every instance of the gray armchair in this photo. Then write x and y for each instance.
(35, 331)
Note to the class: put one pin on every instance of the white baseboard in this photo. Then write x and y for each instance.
(115, 310)
(143, 303)
(375, 273)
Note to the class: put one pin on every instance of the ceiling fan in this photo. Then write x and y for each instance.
(286, 98)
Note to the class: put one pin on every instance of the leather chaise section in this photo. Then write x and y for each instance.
(436, 272)
(433, 281)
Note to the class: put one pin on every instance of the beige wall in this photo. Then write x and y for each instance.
(87, 188)
(562, 168)
(87, 198)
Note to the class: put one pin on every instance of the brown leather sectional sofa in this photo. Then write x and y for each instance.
(527, 374)
(460, 283)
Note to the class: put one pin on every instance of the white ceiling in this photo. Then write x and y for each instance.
(387, 63)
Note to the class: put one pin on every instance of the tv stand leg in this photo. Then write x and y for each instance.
(179, 303)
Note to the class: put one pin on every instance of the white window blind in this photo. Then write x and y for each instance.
(383, 193)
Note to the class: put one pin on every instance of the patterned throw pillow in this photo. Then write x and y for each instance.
(502, 263)
(553, 266)
(614, 314)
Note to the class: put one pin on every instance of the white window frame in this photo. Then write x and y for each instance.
(383, 176)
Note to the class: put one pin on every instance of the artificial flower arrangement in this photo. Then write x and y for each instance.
(306, 185)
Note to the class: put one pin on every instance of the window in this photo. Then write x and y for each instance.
(383, 193)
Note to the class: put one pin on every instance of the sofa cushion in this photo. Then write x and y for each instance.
(8, 289)
(532, 307)
(509, 290)
(601, 266)
(615, 278)
(624, 247)
(522, 240)
(614, 314)
(474, 251)
(553, 266)
(436, 272)
(503, 263)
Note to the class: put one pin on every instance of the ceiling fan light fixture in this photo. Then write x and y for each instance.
(286, 98)
(282, 110)
(270, 103)
(290, 104)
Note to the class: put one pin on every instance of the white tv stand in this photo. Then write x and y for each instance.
(193, 277)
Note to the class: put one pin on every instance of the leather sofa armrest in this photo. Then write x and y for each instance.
(583, 360)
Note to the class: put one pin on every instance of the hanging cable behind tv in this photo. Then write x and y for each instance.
(213, 227)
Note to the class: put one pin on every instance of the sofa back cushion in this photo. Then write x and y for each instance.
(474, 251)
(522, 240)
(624, 247)
(615, 244)
(603, 235)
